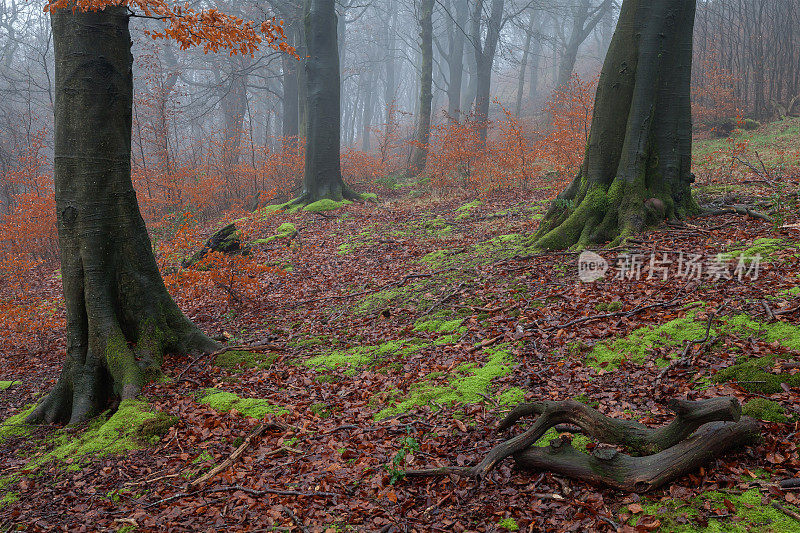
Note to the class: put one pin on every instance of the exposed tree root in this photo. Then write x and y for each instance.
(736, 210)
(716, 421)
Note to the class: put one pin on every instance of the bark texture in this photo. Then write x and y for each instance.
(120, 318)
(700, 431)
(419, 155)
(322, 177)
(640, 142)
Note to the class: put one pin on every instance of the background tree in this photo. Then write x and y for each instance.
(420, 151)
(120, 318)
(641, 137)
(322, 177)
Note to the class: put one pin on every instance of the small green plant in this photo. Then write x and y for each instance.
(408, 444)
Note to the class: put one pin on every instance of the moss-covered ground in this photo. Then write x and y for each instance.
(405, 330)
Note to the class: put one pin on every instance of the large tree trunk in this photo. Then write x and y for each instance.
(323, 175)
(120, 318)
(640, 142)
(419, 155)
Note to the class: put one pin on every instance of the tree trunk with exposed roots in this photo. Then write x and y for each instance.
(120, 318)
(637, 167)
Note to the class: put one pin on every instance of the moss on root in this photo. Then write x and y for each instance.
(590, 213)
(325, 204)
(284, 231)
(134, 425)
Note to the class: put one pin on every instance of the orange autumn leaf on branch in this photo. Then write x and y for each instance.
(211, 28)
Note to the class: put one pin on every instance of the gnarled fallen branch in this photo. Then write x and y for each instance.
(667, 452)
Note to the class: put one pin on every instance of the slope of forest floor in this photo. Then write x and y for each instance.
(395, 336)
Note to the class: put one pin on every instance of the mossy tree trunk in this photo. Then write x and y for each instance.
(322, 177)
(120, 318)
(640, 143)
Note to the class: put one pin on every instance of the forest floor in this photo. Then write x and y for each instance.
(396, 337)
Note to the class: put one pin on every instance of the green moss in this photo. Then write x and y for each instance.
(321, 409)
(638, 345)
(356, 356)
(284, 231)
(132, 426)
(545, 439)
(325, 204)
(8, 498)
(252, 407)
(512, 396)
(762, 246)
(440, 325)
(764, 409)
(313, 341)
(609, 307)
(378, 300)
(370, 197)
(787, 335)
(793, 291)
(14, 426)
(509, 524)
(748, 516)
(8, 384)
(754, 375)
(237, 358)
(584, 399)
(465, 210)
(469, 385)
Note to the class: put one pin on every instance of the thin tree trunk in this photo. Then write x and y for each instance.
(120, 318)
(455, 59)
(522, 67)
(420, 151)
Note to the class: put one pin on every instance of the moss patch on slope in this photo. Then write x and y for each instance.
(749, 515)
(227, 401)
(469, 384)
(134, 425)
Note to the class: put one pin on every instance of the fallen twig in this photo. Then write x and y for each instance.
(236, 454)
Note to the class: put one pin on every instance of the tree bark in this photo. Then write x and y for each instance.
(120, 318)
(523, 66)
(584, 19)
(290, 100)
(322, 177)
(700, 431)
(455, 58)
(640, 143)
(484, 50)
(420, 152)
